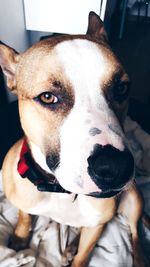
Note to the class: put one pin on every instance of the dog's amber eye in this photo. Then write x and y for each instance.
(121, 91)
(48, 98)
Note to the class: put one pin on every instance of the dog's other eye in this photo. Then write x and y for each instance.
(121, 91)
(47, 98)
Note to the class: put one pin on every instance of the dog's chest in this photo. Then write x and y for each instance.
(65, 209)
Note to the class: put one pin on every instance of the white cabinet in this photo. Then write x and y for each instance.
(61, 16)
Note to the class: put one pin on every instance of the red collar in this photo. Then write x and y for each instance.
(28, 168)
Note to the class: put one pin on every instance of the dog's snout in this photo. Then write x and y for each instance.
(109, 167)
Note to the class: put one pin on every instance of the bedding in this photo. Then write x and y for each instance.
(50, 239)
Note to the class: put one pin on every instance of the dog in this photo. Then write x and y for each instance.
(73, 164)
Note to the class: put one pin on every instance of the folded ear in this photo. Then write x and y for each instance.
(8, 62)
(96, 27)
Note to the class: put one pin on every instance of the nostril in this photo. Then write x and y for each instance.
(101, 168)
(110, 167)
(107, 175)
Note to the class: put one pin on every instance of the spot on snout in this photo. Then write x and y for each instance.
(79, 181)
(94, 131)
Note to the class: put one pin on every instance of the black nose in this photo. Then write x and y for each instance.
(109, 167)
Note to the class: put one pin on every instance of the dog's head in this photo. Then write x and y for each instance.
(73, 96)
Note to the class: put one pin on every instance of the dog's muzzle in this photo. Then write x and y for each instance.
(110, 169)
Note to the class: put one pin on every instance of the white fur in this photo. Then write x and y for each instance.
(39, 157)
(85, 66)
(57, 207)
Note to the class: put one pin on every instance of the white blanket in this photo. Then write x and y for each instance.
(49, 238)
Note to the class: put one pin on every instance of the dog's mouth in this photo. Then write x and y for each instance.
(111, 192)
(86, 186)
(106, 194)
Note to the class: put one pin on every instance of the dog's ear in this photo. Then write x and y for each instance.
(8, 62)
(96, 27)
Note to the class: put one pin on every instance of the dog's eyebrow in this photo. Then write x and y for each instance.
(120, 75)
(60, 87)
(57, 84)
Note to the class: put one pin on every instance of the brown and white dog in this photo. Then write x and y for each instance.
(73, 96)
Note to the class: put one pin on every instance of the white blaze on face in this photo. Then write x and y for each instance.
(85, 67)
(39, 157)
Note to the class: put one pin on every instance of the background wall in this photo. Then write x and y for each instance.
(12, 24)
(12, 28)
(34, 36)
(60, 16)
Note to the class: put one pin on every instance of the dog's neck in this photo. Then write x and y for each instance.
(28, 168)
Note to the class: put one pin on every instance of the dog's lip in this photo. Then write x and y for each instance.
(111, 192)
(106, 194)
